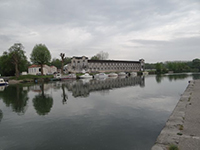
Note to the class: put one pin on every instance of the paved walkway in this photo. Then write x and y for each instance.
(183, 127)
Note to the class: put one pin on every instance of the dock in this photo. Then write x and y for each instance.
(182, 130)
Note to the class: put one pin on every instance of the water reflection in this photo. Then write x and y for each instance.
(125, 118)
(1, 115)
(15, 97)
(82, 88)
(42, 102)
(177, 76)
(64, 95)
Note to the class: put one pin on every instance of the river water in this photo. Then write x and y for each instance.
(111, 114)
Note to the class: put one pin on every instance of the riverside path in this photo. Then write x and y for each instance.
(183, 126)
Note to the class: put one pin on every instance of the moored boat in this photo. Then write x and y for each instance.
(112, 75)
(2, 82)
(101, 76)
(86, 76)
(145, 73)
(133, 74)
(122, 74)
(69, 76)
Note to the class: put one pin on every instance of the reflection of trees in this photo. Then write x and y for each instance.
(15, 97)
(64, 95)
(82, 88)
(1, 115)
(159, 78)
(180, 76)
(195, 76)
(42, 102)
(177, 76)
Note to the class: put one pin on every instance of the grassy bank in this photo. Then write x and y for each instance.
(24, 77)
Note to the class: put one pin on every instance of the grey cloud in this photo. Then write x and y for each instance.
(104, 21)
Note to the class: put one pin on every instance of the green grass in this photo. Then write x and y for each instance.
(189, 99)
(179, 134)
(180, 127)
(173, 147)
(27, 77)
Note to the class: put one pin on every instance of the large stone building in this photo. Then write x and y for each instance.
(83, 64)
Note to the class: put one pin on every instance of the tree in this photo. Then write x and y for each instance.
(6, 66)
(160, 68)
(94, 58)
(57, 63)
(62, 55)
(100, 56)
(14, 61)
(18, 57)
(40, 55)
(196, 63)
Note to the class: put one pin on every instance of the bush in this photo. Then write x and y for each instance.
(173, 147)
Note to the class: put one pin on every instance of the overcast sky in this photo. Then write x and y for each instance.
(155, 30)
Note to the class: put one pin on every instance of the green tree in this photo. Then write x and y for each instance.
(159, 68)
(40, 55)
(6, 66)
(100, 56)
(94, 58)
(56, 62)
(17, 54)
(196, 63)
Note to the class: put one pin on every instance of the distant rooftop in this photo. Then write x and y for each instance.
(113, 61)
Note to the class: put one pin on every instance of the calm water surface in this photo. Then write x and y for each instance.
(111, 114)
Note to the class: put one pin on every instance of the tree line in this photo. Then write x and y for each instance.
(14, 61)
(174, 66)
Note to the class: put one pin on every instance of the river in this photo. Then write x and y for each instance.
(111, 114)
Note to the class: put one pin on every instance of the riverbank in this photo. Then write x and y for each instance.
(182, 128)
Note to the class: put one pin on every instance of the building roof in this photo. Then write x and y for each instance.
(79, 57)
(34, 66)
(112, 61)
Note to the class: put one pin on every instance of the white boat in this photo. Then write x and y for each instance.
(86, 76)
(96, 76)
(133, 73)
(122, 74)
(69, 76)
(112, 75)
(2, 82)
(57, 76)
(145, 73)
(101, 76)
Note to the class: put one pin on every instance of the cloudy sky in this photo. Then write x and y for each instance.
(156, 30)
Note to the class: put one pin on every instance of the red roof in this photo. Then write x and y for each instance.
(34, 66)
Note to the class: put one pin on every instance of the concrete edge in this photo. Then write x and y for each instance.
(171, 133)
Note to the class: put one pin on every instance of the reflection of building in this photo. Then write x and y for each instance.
(80, 88)
(79, 64)
(38, 87)
(36, 69)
